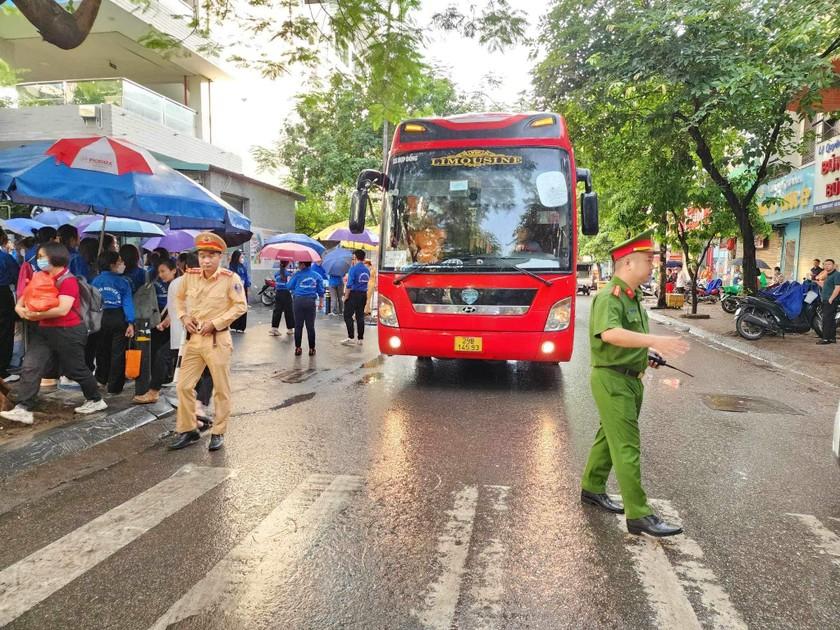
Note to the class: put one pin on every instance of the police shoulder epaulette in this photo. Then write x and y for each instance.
(194, 270)
(227, 272)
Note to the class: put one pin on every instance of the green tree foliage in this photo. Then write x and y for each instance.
(720, 73)
(333, 135)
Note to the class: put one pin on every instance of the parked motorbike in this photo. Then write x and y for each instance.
(267, 293)
(756, 316)
(730, 303)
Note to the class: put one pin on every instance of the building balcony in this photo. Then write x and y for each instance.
(116, 91)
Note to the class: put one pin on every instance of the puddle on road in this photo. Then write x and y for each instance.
(294, 400)
(375, 362)
(744, 404)
(371, 378)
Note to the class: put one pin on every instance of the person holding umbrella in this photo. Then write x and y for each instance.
(305, 286)
(282, 301)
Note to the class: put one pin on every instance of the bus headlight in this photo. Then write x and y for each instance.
(387, 313)
(559, 316)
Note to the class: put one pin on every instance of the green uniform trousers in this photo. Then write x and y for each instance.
(617, 443)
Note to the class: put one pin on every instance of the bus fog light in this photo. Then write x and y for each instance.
(387, 313)
(547, 347)
(395, 342)
(560, 316)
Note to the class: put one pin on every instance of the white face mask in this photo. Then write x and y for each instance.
(121, 268)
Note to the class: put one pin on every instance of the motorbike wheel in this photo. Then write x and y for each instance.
(748, 330)
(729, 305)
(816, 323)
(267, 297)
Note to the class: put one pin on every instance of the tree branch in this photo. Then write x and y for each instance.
(769, 151)
(57, 26)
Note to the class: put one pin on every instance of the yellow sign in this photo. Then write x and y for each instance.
(468, 344)
(475, 158)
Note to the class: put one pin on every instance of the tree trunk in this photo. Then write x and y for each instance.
(663, 273)
(57, 26)
(749, 268)
(693, 276)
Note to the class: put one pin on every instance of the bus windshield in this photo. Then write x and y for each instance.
(486, 210)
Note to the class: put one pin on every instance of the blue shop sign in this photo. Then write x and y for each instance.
(793, 196)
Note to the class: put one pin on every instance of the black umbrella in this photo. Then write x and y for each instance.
(758, 263)
(672, 264)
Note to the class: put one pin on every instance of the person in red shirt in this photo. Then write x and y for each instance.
(58, 339)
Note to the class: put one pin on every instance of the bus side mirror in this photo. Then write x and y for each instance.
(589, 213)
(358, 210)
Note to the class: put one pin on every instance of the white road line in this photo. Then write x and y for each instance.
(827, 541)
(835, 438)
(453, 546)
(253, 567)
(688, 562)
(488, 587)
(39, 575)
(660, 583)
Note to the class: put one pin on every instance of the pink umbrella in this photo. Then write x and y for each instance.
(290, 251)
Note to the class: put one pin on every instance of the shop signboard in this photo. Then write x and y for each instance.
(827, 183)
(788, 197)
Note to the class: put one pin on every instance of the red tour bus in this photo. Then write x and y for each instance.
(478, 245)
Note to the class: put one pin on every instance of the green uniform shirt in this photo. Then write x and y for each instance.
(613, 307)
(831, 282)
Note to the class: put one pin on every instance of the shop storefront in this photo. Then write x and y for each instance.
(785, 202)
(820, 233)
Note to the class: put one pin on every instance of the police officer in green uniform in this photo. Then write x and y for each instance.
(618, 332)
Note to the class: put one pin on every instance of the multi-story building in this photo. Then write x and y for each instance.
(189, 108)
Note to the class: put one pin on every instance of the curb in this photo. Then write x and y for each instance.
(774, 359)
(20, 455)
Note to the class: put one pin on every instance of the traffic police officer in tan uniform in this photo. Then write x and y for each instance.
(209, 299)
(620, 339)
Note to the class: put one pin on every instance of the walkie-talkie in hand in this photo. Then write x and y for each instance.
(659, 360)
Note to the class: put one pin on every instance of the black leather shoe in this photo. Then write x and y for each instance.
(602, 501)
(184, 439)
(652, 525)
(216, 442)
(825, 342)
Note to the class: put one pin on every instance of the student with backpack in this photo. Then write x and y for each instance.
(58, 337)
(117, 322)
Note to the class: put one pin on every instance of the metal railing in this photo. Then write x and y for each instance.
(117, 91)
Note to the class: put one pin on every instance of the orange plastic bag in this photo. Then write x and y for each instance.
(40, 294)
(132, 363)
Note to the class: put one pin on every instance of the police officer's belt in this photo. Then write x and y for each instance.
(626, 371)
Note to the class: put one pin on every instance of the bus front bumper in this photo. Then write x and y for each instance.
(550, 347)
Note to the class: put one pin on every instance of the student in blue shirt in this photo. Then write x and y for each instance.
(9, 270)
(86, 263)
(241, 269)
(355, 298)
(282, 301)
(135, 274)
(117, 322)
(305, 286)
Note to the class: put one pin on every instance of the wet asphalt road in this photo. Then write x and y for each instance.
(367, 492)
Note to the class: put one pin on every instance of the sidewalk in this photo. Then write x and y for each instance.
(797, 353)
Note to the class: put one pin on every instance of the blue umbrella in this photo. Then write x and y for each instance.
(55, 218)
(300, 239)
(24, 227)
(126, 227)
(29, 176)
(337, 261)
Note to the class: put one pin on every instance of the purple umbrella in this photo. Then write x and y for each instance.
(344, 234)
(174, 241)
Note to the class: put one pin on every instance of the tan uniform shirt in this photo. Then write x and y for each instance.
(219, 299)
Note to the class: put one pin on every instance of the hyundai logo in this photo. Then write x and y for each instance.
(469, 296)
(469, 309)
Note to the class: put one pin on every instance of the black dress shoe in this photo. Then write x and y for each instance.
(825, 342)
(602, 501)
(652, 525)
(184, 439)
(216, 442)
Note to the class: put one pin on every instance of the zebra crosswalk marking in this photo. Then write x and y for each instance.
(42, 573)
(252, 569)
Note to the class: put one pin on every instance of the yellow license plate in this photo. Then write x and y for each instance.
(468, 344)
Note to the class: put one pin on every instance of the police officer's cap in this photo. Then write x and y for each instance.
(209, 242)
(641, 243)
